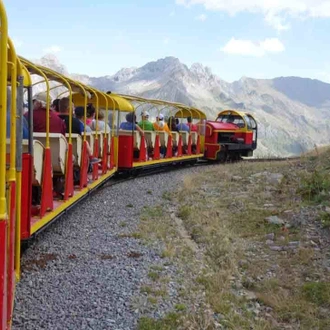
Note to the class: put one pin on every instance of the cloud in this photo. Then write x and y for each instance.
(273, 11)
(53, 49)
(250, 48)
(201, 17)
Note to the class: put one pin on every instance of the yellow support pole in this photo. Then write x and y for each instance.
(3, 107)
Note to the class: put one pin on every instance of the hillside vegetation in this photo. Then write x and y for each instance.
(253, 240)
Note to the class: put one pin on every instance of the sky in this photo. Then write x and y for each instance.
(235, 38)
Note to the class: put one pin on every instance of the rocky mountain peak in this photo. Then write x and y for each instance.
(52, 62)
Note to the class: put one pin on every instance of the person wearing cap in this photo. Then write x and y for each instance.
(56, 124)
(160, 125)
(145, 124)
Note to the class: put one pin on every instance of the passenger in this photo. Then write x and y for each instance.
(77, 126)
(193, 127)
(90, 114)
(181, 126)
(145, 124)
(55, 105)
(79, 112)
(172, 124)
(101, 123)
(129, 124)
(56, 124)
(110, 119)
(160, 125)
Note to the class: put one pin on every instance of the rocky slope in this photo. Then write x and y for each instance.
(293, 113)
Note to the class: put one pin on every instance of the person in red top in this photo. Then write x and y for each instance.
(193, 127)
(56, 124)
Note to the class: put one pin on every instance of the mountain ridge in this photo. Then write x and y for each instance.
(292, 112)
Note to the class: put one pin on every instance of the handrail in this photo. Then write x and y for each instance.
(3, 106)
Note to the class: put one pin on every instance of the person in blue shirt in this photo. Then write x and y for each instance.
(129, 124)
(182, 126)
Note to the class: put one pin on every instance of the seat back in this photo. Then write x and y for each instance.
(76, 147)
(163, 138)
(150, 138)
(185, 137)
(175, 137)
(90, 140)
(100, 138)
(38, 159)
(58, 147)
(136, 137)
(194, 137)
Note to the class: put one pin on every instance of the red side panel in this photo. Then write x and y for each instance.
(11, 250)
(112, 153)
(125, 152)
(96, 155)
(169, 150)
(198, 147)
(180, 146)
(212, 151)
(26, 198)
(69, 187)
(249, 138)
(3, 274)
(47, 185)
(143, 150)
(189, 145)
(105, 155)
(156, 149)
(84, 166)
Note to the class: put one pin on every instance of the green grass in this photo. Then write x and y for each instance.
(171, 321)
(154, 276)
(317, 292)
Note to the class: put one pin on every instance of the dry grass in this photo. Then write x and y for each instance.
(224, 210)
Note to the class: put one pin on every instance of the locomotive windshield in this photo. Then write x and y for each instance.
(232, 119)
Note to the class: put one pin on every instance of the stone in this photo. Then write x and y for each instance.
(275, 178)
(276, 248)
(250, 295)
(274, 220)
(268, 205)
(270, 236)
(269, 242)
(236, 178)
(294, 243)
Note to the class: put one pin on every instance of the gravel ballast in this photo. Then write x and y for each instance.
(85, 270)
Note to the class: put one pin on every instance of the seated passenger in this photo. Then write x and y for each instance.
(181, 126)
(56, 124)
(90, 114)
(101, 123)
(79, 112)
(77, 126)
(145, 124)
(172, 124)
(55, 105)
(129, 124)
(193, 127)
(160, 125)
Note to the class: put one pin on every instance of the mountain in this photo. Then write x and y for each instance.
(293, 113)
